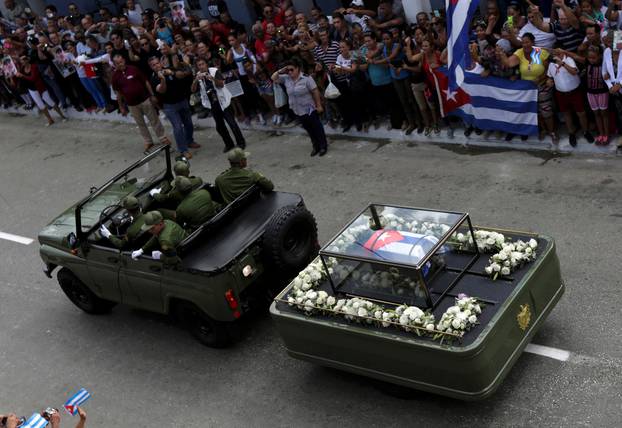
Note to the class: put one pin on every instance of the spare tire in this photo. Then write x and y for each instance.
(290, 240)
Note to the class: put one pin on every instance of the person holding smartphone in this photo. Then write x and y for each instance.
(305, 102)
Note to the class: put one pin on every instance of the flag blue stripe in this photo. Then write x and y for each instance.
(498, 82)
(35, 421)
(496, 125)
(460, 49)
(505, 106)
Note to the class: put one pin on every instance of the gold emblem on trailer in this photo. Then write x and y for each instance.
(524, 316)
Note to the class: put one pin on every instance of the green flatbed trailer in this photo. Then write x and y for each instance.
(469, 369)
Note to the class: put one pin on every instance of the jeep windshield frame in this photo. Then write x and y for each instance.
(165, 173)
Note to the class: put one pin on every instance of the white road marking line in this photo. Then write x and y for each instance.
(16, 238)
(546, 351)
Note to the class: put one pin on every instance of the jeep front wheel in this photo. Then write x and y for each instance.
(81, 296)
(207, 331)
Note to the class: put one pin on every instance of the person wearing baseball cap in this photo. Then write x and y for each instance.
(234, 181)
(131, 204)
(167, 235)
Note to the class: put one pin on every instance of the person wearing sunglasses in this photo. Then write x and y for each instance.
(305, 102)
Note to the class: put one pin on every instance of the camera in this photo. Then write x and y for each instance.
(221, 50)
(20, 421)
(48, 412)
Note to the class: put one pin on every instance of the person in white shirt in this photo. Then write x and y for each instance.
(564, 75)
(134, 13)
(543, 39)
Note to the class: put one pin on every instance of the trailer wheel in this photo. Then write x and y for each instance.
(80, 295)
(290, 240)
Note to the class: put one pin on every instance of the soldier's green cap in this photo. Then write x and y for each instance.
(151, 218)
(183, 184)
(236, 155)
(181, 168)
(130, 203)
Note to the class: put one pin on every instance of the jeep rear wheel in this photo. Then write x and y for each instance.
(290, 240)
(81, 296)
(207, 331)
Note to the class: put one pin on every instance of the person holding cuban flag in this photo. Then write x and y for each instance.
(533, 62)
(40, 420)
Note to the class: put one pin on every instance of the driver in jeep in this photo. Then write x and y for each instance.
(167, 235)
(131, 204)
(170, 196)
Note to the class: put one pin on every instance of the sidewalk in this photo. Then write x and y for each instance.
(490, 141)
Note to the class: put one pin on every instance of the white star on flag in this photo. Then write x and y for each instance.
(450, 95)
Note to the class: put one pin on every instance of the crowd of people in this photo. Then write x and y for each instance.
(356, 66)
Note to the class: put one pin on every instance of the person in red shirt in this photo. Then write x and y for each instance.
(33, 81)
(133, 89)
(270, 16)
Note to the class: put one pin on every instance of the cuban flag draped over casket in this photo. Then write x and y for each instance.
(398, 246)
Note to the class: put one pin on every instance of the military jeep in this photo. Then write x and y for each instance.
(229, 265)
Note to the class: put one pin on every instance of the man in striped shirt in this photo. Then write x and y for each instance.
(567, 29)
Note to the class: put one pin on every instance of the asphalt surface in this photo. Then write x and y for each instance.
(143, 370)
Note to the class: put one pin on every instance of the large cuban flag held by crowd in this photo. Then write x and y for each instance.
(488, 103)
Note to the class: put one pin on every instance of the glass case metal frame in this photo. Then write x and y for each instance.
(464, 217)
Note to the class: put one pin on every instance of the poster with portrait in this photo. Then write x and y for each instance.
(235, 87)
(8, 67)
(178, 13)
(62, 63)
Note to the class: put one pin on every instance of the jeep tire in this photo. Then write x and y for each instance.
(80, 295)
(207, 331)
(290, 240)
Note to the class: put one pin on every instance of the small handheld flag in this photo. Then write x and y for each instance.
(35, 421)
(71, 406)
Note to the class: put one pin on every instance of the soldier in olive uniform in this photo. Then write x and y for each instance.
(234, 181)
(167, 235)
(130, 203)
(197, 206)
(170, 196)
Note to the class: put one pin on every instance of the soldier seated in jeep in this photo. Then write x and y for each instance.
(137, 220)
(234, 181)
(167, 235)
(196, 208)
(168, 196)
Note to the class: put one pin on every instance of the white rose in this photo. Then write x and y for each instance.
(311, 295)
(490, 241)
(533, 243)
(363, 312)
(528, 250)
(291, 301)
(477, 309)
(297, 282)
(356, 305)
(495, 267)
(505, 270)
(404, 319)
(488, 270)
(429, 327)
(453, 310)
(455, 324)
(472, 319)
(330, 301)
(378, 314)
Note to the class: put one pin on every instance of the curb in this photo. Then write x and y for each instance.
(475, 141)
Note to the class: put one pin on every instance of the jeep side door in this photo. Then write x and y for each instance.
(141, 282)
(103, 265)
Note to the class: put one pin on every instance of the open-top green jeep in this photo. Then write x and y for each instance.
(228, 264)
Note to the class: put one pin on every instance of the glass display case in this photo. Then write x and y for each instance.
(400, 255)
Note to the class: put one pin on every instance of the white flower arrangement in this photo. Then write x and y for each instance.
(511, 256)
(459, 318)
(487, 240)
(304, 296)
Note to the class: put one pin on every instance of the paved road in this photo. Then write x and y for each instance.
(143, 370)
